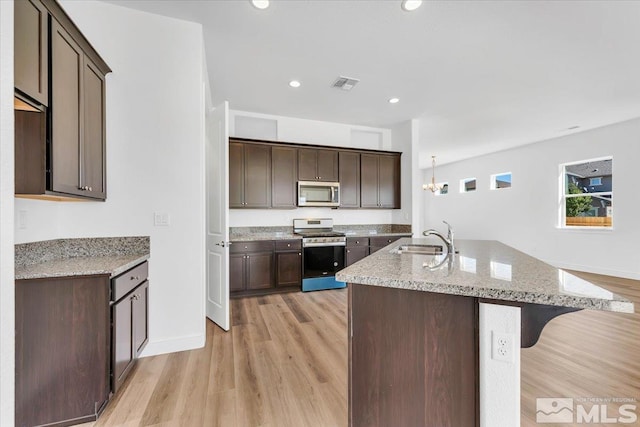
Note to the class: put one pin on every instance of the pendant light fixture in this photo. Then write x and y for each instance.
(432, 185)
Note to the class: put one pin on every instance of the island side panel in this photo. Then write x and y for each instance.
(413, 358)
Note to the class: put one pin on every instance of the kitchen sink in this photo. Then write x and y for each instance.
(419, 249)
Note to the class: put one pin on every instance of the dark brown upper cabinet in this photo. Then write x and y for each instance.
(349, 167)
(380, 181)
(31, 50)
(317, 165)
(74, 141)
(77, 125)
(284, 173)
(249, 175)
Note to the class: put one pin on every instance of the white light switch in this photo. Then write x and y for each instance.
(161, 219)
(22, 219)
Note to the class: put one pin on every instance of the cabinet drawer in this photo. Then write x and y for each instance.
(382, 241)
(258, 246)
(126, 282)
(288, 245)
(353, 242)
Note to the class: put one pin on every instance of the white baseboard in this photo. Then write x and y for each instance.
(597, 270)
(173, 345)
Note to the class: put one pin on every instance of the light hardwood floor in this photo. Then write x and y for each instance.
(284, 363)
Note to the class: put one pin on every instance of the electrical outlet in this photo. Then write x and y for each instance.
(502, 347)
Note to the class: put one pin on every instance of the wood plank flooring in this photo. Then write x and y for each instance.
(585, 354)
(284, 363)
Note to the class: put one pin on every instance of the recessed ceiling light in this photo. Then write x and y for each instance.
(411, 5)
(294, 83)
(394, 100)
(260, 4)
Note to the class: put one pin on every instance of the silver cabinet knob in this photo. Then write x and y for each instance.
(90, 189)
(357, 241)
(288, 245)
(135, 277)
(299, 253)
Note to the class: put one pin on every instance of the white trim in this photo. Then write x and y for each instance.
(172, 345)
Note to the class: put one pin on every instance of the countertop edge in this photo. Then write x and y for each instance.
(111, 272)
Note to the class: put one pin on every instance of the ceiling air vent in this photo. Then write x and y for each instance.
(345, 83)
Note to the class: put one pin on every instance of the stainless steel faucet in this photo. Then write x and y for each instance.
(451, 249)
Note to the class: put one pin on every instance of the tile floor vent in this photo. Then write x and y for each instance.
(345, 83)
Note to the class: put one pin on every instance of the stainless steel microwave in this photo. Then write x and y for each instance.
(312, 193)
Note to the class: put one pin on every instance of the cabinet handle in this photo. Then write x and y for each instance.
(90, 189)
(135, 277)
(357, 242)
(348, 251)
(319, 177)
(288, 245)
(299, 254)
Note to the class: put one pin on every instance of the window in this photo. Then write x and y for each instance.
(442, 188)
(587, 194)
(467, 185)
(501, 180)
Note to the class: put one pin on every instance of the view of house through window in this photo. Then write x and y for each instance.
(587, 199)
(501, 180)
(467, 185)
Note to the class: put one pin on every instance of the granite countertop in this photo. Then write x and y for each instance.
(483, 269)
(246, 234)
(80, 257)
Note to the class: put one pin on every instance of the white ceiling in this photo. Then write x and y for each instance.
(480, 75)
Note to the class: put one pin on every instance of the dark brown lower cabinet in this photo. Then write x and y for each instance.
(357, 248)
(129, 322)
(427, 375)
(251, 267)
(130, 332)
(379, 242)
(62, 350)
(289, 264)
(264, 267)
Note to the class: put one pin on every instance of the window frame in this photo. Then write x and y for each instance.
(562, 196)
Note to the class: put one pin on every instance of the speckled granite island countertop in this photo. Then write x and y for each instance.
(483, 269)
(80, 257)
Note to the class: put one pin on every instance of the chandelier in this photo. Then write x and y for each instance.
(432, 185)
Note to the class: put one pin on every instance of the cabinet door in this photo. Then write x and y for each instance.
(257, 176)
(236, 175)
(288, 269)
(389, 181)
(284, 174)
(62, 349)
(122, 338)
(369, 180)
(259, 270)
(140, 314)
(349, 177)
(31, 51)
(307, 164)
(327, 165)
(355, 254)
(93, 144)
(236, 272)
(66, 128)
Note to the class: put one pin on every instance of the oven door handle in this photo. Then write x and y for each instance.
(322, 244)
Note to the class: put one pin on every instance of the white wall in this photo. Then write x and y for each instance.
(7, 301)
(526, 215)
(155, 151)
(245, 124)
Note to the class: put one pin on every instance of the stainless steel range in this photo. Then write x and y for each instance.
(323, 253)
